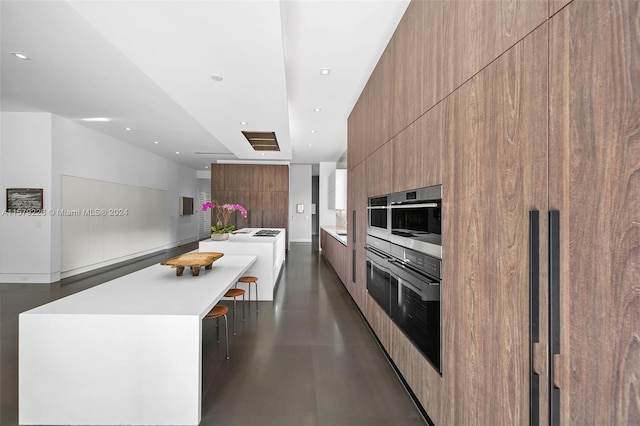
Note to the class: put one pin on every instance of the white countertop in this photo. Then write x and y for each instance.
(155, 290)
(335, 233)
(246, 235)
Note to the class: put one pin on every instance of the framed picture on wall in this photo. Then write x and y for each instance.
(21, 200)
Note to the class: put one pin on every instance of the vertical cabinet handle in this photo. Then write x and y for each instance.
(534, 314)
(554, 313)
(353, 242)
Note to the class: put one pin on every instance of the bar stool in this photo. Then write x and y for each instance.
(235, 293)
(251, 280)
(215, 313)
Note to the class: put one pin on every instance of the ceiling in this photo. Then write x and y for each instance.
(148, 66)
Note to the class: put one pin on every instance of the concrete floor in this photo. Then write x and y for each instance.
(307, 358)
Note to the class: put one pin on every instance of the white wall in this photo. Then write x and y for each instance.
(37, 149)
(326, 214)
(300, 193)
(25, 162)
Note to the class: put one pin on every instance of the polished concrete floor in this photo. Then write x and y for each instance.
(307, 358)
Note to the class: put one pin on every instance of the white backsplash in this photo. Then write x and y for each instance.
(341, 218)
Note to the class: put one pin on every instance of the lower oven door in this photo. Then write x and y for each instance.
(415, 308)
(378, 279)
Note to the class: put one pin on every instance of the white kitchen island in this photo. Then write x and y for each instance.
(269, 250)
(128, 351)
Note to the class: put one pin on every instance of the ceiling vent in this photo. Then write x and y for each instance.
(262, 141)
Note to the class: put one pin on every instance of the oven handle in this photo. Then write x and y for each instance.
(377, 257)
(429, 292)
(423, 278)
(377, 207)
(398, 205)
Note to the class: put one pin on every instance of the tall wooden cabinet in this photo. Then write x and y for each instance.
(526, 106)
(494, 173)
(594, 176)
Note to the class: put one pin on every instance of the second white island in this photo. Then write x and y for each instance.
(267, 244)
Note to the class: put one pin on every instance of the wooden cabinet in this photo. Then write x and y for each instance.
(520, 112)
(336, 254)
(477, 32)
(417, 152)
(378, 166)
(357, 224)
(407, 80)
(262, 189)
(495, 173)
(594, 172)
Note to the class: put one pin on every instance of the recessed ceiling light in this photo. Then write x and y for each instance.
(313, 131)
(325, 71)
(177, 152)
(244, 123)
(128, 129)
(96, 119)
(206, 167)
(262, 154)
(310, 145)
(216, 77)
(317, 109)
(21, 56)
(156, 142)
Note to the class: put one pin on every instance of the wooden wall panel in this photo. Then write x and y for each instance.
(421, 376)
(217, 177)
(407, 69)
(245, 185)
(556, 5)
(478, 31)
(378, 165)
(435, 83)
(417, 152)
(492, 145)
(432, 140)
(238, 177)
(379, 321)
(384, 107)
(407, 146)
(595, 184)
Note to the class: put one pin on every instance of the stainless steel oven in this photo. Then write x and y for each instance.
(378, 284)
(407, 286)
(378, 216)
(415, 219)
(415, 291)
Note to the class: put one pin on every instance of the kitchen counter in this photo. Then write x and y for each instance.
(339, 234)
(270, 252)
(128, 351)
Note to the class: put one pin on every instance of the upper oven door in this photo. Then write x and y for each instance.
(417, 214)
(378, 216)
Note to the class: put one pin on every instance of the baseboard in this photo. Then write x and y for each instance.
(22, 278)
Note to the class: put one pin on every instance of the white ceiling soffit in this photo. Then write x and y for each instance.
(148, 66)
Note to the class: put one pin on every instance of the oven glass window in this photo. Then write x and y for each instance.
(378, 212)
(418, 319)
(378, 285)
(415, 222)
(378, 218)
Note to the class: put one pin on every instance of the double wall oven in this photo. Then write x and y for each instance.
(404, 262)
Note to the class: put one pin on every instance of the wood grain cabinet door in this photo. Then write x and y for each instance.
(595, 186)
(494, 174)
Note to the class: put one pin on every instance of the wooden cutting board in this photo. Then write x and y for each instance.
(195, 261)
